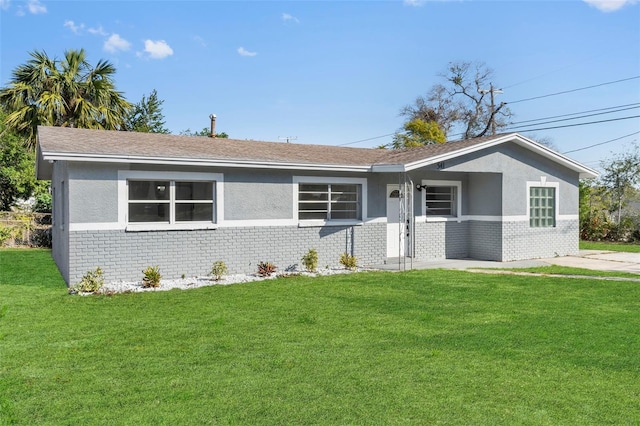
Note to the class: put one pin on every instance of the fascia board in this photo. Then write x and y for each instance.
(200, 162)
(388, 168)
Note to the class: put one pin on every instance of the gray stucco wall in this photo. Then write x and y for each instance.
(254, 195)
(123, 255)
(93, 192)
(517, 166)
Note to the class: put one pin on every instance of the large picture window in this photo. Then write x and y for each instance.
(542, 207)
(170, 201)
(329, 201)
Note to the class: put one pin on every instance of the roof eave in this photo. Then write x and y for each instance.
(50, 157)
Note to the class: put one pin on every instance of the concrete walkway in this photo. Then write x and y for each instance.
(587, 259)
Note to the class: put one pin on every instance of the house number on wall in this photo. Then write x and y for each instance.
(441, 165)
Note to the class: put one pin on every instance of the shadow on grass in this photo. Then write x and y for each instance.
(29, 267)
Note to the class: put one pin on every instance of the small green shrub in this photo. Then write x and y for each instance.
(218, 270)
(348, 261)
(152, 277)
(91, 282)
(310, 260)
(266, 268)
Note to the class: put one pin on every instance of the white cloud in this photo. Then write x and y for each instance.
(76, 29)
(290, 18)
(414, 3)
(243, 52)
(116, 43)
(609, 5)
(157, 49)
(97, 31)
(4, 4)
(36, 8)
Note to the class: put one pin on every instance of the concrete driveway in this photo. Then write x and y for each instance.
(600, 260)
(587, 259)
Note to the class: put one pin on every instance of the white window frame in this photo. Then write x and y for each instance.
(458, 200)
(542, 183)
(297, 180)
(124, 176)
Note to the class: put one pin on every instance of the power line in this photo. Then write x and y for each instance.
(634, 105)
(574, 118)
(601, 143)
(577, 124)
(574, 90)
(365, 140)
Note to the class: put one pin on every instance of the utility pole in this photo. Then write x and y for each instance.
(287, 138)
(492, 91)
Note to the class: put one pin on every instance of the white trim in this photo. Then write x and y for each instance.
(330, 180)
(257, 223)
(123, 199)
(565, 217)
(95, 226)
(323, 223)
(447, 183)
(136, 159)
(191, 226)
(544, 183)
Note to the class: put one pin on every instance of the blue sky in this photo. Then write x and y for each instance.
(337, 72)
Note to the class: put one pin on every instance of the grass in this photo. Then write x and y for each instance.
(426, 347)
(609, 246)
(566, 270)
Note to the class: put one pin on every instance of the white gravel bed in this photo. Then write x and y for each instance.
(195, 282)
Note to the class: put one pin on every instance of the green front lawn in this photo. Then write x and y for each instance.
(609, 246)
(421, 347)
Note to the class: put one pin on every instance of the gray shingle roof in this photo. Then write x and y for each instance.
(97, 145)
(152, 145)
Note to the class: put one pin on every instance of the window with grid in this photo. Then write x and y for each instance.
(169, 201)
(542, 207)
(441, 201)
(317, 201)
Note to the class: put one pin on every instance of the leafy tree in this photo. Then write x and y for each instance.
(17, 168)
(620, 176)
(418, 132)
(204, 132)
(146, 116)
(67, 93)
(465, 102)
(595, 224)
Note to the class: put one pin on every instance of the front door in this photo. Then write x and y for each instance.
(396, 240)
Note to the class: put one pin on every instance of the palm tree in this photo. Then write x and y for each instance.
(66, 93)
